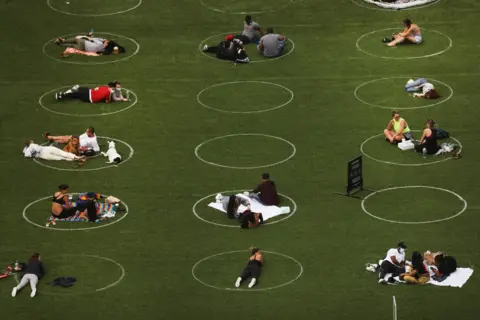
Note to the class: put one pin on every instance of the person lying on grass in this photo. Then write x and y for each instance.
(397, 129)
(411, 33)
(249, 219)
(421, 88)
(33, 150)
(88, 144)
(90, 44)
(111, 92)
(229, 49)
(253, 268)
(32, 273)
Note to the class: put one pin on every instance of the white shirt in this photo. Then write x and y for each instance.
(89, 142)
(427, 87)
(394, 252)
(32, 151)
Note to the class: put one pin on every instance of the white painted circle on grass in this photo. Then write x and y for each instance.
(131, 105)
(194, 210)
(47, 212)
(94, 14)
(294, 150)
(465, 205)
(122, 275)
(202, 2)
(245, 112)
(355, 92)
(130, 155)
(253, 289)
(406, 164)
(200, 47)
(403, 58)
(393, 10)
(64, 60)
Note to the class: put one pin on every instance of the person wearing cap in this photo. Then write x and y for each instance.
(421, 88)
(88, 141)
(394, 264)
(229, 49)
(266, 192)
(411, 33)
(271, 44)
(252, 31)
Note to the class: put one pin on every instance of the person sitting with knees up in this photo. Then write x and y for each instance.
(266, 192)
(88, 141)
(61, 206)
(427, 89)
(394, 264)
(428, 141)
(397, 129)
(271, 45)
(252, 31)
(232, 203)
(31, 274)
(410, 33)
(249, 219)
(86, 205)
(418, 273)
(253, 268)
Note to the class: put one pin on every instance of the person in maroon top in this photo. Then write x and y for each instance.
(266, 192)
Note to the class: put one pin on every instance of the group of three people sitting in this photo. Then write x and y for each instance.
(266, 193)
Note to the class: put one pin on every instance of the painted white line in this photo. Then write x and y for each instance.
(202, 2)
(113, 284)
(66, 60)
(130, 155)
(393, 10)
(131, 105)
(93, 14)
(403, 58)
(234, 276)
(394, 308)
(294, 150)
(211, 196)
(443, 158)
(465, 205)
(355, 93)
(200, 47)
(47, 212)
(245, 112)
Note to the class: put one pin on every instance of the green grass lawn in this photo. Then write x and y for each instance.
(331, 98)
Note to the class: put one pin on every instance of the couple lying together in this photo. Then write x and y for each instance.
(265, 193)
(89, 45)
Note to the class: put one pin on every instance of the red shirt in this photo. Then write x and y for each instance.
(100, 94)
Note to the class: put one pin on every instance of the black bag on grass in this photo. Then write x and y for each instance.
(65, 282)
(442, 134)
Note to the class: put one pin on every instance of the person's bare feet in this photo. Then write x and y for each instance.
(46, 136)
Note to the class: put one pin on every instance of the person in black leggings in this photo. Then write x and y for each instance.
(253, 268)
(428, 141)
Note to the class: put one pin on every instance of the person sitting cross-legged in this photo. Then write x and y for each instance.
(397, 129)
(271, 44)
(428, 141)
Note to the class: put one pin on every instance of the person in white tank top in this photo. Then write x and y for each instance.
(410, 33)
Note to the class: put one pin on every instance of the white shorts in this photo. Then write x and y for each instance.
(418, 39)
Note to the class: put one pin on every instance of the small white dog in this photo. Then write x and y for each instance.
(112, 154)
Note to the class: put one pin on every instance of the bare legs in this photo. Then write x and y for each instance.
(392, 136)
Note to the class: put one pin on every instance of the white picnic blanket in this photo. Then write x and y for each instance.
(268, 212)
(456, 279)
(400, 4)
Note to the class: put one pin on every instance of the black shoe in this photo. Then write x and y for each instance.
(386, 40)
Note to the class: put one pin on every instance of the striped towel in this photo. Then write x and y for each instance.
(102, 209)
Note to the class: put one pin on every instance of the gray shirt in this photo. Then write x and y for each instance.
(271, 44)
(95, 45)
(250, 30)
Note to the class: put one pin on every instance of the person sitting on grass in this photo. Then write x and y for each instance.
(252, 31)
(421, 88)
(86, 204)
(229, 49)
(266, 192)
(418, 273)
(33, 150)
(62, 208)
(410, 33)
(397, 129)
(249, 219)
(33, 272)
(232, 203)
(88, 141)
(428, 141)
(394, 264)
(253, 268)
(271, 45)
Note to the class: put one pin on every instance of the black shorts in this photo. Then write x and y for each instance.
(66, 213)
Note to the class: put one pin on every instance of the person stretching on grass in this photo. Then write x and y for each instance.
(397, 129)
(410, 33)
(253, 268)
(31, 274)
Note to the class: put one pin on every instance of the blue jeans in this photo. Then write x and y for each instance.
(411, 87)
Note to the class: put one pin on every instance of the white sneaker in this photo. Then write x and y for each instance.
(34, 292)
(205, 47)
(75, 87)
(382, 281)
(14, 291)
(238, 282)
(252, 283)
(56, 96)
(409, 81)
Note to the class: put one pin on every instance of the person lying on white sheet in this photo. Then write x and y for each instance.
(230, 205)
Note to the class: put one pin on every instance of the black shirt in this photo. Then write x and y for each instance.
(35, 267)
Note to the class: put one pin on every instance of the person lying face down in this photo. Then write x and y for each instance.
(230, 205)
(421, 88)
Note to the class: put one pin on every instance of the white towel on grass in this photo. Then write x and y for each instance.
(268, 212)
(456, 279)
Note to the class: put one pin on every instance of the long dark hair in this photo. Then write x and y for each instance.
(417, 262)
(34, 257)
(231, 206)
(430, 123)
